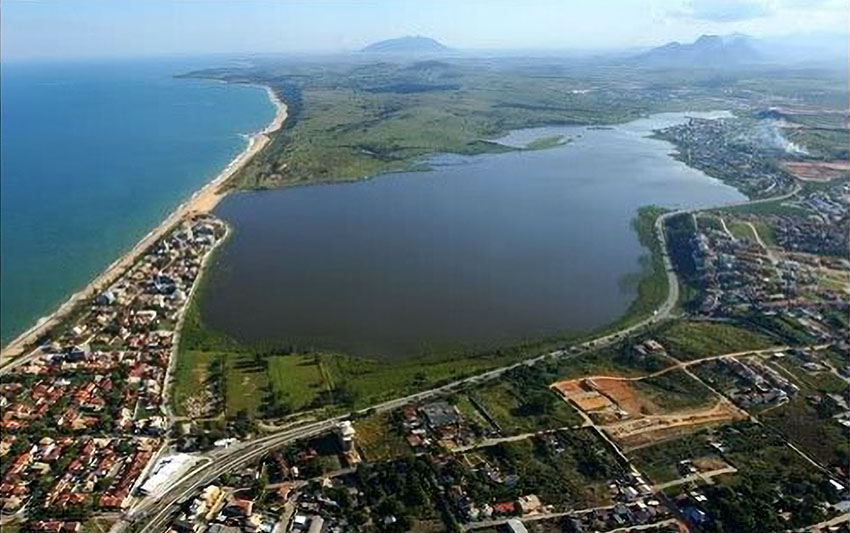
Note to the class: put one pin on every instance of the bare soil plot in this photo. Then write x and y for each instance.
(639, 411)
(636, 433)
(818, 170)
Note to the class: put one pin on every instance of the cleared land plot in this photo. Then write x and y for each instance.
(819, 380)
(518, 412)
(656, 395)
(617, 362)
(818, 170)
(688, 340)
(570, 468)
(675, 391)
(379, 439)
(469, 412)
(192, 376)
(640, 411)
(807, 422)
(661, 461)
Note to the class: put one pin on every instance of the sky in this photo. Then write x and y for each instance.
(57, 29)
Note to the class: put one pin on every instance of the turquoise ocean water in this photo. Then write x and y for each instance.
(92, 156)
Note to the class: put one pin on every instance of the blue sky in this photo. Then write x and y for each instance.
(72, 28)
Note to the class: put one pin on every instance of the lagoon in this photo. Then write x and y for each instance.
(477, 251)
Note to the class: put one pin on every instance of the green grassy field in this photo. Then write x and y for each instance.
(660, 461)
(766, 231)
(688, 340)
(544, 143)
(379, 439)
(618, 362)
(820, 381)
(777, 207)
(515, 414)
(191, 375)
(297, 379)
(357, 121)
(365, 382)
(575, 471)
(652, 279)
(675, 391)
(246, 383)
(741, 231)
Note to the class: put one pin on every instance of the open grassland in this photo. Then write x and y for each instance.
(192, 375)
(245, 384)
(688, 340)
(517, 411)
(660, 461)
(776, 207)
(807, 420)
(675, 391)
(362, 382)
(741, 231)
(296, 379)
(766, 231)
(355, 121)
(543, 143)
(349, 119)
(379, 439)
(617, 361)
(568, 468)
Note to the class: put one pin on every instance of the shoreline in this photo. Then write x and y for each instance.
(201, 201)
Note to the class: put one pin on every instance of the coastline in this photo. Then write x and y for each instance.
(201, 201)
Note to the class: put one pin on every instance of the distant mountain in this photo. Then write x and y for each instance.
(708, 50)
(407, 45)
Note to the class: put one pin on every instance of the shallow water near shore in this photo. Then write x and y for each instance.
(479, 250)
(94, 155)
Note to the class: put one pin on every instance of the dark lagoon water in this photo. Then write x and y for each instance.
(94, 155)
(478, 250)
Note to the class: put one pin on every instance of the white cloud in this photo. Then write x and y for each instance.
(728, 10)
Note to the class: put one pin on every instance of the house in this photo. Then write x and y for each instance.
(440, 413)
(299, 523)
(346, 435)
(694, 515)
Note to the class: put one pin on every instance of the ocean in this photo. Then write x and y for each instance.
(95, 154)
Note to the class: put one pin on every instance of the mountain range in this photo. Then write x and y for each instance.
(407, 45)
(707, 50)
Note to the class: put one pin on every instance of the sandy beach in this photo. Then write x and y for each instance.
(201, 201)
